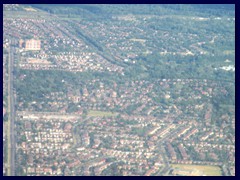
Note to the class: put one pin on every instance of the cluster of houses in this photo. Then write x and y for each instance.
(170, 114)
(117, 136)
(138, 97)
(51, 135)
(73, 53)
(127, 38)
(11, 7)
(69, 61)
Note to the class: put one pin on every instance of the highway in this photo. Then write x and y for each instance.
(11, 110)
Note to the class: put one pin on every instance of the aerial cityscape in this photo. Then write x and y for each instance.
(118, 90)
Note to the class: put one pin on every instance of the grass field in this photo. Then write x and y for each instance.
(100, 113)
(228, 52)
(205, 169)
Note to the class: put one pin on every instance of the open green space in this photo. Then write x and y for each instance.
(198, 169)
(100, 113)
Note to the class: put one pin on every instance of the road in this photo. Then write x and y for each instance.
(161, 144)
(11, 109)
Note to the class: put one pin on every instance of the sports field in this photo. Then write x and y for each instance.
(197, 170)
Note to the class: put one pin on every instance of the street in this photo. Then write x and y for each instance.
(11, 131)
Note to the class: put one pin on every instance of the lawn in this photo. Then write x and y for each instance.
(100, 113)
(206, 169)
(228, 52)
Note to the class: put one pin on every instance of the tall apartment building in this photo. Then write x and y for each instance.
(32, 44)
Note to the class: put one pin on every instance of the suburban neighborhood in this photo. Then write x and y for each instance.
(119, 95)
